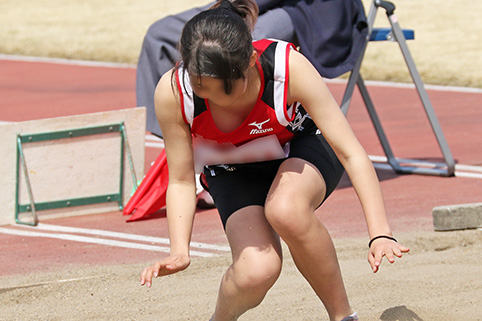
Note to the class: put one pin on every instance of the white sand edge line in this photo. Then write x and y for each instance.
(29, 285)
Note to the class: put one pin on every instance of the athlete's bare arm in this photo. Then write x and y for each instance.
(307, 87)
(181, 193)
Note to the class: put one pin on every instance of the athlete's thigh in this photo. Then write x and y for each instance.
(311, 172)
(300, 182)
(234, 187)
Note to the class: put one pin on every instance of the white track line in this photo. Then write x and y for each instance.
(470, 168)
(125, 236)
(468, 171)
(376, 83)
(154, 141)
(467, 175)
(153, 138)
(62, 61)
(84, 239)
(87, 63)
(154, 145)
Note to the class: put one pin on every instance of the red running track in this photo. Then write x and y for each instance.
(33, 90)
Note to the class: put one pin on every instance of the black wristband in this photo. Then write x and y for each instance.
(379, 237)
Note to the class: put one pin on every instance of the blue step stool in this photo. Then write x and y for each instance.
(383, 34)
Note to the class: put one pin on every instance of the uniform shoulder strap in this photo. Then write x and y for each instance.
(186, 95)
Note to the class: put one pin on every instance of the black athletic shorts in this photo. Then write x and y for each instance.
(236, 186)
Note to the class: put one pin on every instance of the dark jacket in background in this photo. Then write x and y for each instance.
(331, 33)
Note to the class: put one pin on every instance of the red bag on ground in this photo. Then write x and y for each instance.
(150, 196)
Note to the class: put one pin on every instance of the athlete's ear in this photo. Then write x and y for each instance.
(253, 58)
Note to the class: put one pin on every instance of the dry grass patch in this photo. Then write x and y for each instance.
(87, 30)
(447, 48)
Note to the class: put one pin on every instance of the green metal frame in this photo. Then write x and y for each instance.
(78, 132)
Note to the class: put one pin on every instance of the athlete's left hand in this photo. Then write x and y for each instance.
(169, 265)
(384, 247)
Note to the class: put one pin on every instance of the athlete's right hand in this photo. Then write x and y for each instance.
(166, 266)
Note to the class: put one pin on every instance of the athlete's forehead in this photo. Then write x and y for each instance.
(211, 83)
(206, 81)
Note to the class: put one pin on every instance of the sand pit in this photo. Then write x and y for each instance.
(440, 279)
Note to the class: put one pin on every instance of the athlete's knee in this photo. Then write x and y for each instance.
(288, 216)
(256, 272)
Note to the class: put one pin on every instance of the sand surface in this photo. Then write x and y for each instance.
(440, 279)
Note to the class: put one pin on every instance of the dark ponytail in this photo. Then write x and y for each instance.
(247, 9)
(218, 43)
